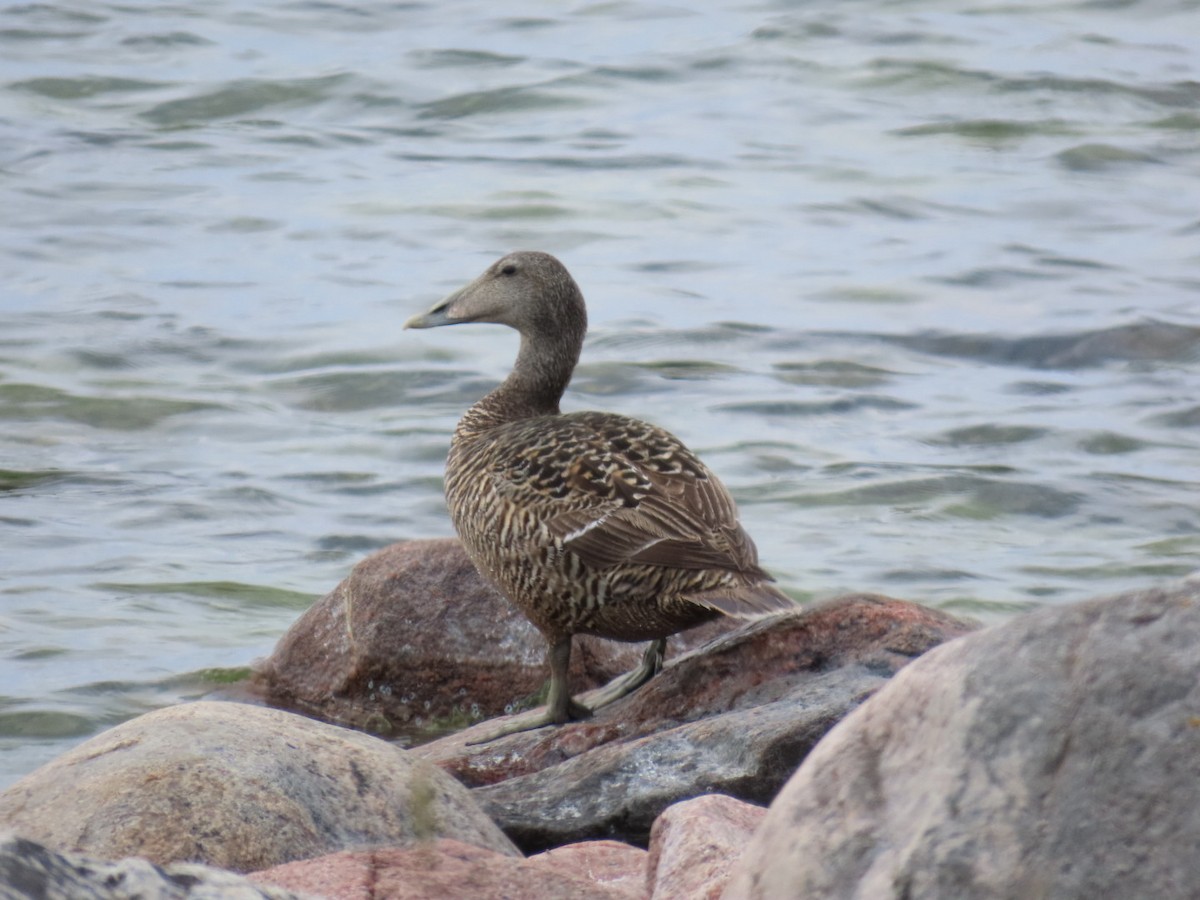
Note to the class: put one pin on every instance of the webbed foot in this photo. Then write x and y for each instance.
(532, 720)
(561, 707)
(623, 685)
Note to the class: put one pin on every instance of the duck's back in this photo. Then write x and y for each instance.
(599, 523)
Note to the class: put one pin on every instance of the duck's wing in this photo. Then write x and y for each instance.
(618, 491)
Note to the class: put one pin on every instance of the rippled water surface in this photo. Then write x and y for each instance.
(920, 280)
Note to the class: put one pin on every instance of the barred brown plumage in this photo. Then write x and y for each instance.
(589, 522)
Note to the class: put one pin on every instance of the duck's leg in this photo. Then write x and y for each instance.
(560, 706)
(651, 665)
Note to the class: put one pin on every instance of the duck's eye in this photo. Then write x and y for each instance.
(509, 269)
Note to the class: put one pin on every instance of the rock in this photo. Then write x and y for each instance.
(1057, 755)
(238, 787)
(734, 717)
(694, 844)
(414, 643)
(29, 870)
(616, 866)
(447, 868)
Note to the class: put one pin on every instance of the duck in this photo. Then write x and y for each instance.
(588, 522)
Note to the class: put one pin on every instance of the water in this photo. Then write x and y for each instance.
(919, 281)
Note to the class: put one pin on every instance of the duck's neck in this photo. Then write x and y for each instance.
(534, 387)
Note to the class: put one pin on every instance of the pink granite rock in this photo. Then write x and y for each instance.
(448, 870)
(611, 864)
(694, 844)
(1055, 755)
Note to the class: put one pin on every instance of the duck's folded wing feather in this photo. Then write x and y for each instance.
(639, 497)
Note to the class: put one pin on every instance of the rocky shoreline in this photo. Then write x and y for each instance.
(1053, 755)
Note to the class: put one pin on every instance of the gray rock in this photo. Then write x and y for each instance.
(239, 787)
(1055, 756)
(29, 871)
(734, 717)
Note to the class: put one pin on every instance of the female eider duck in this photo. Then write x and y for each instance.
(589, 522)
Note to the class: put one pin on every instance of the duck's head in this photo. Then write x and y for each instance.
(527, 290)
